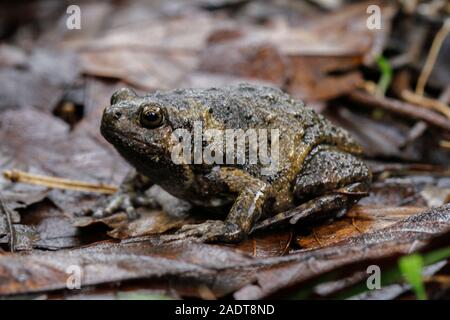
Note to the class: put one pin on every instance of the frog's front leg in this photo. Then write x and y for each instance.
(137, 190)
(243, 215)
(130, 195)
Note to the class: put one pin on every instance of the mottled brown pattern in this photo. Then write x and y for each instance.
(316, 157)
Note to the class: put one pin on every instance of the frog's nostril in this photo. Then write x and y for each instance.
(117, 114)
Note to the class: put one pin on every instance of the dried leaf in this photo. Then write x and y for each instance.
(359, 220)
(403, 237)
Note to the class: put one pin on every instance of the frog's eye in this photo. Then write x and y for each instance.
(151, 117)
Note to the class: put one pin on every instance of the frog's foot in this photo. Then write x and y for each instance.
(118, 202)
(128, 200)
(130, 195)
(208, 231)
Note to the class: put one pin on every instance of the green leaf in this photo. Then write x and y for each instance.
(411, 268)
(436, 256)
(386, 75)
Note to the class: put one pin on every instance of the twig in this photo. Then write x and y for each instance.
(408, 169)
(417, 130)
(415, 41)
(317, 238)
(59, 183)
(426, 102)
(288, 244)
(432, 56)
(443, 280)
(356, 227)
(403, 108)
(401, 89)
(368, 86)
(445, 95)
(12, 233)
(444, 144)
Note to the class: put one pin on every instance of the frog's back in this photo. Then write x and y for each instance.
(246, 106)
(241, 106)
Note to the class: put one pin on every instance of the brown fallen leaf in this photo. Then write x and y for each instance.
(378, 138)
(404, 237)
(103, 263)
(395, 192)
(209, 79)
(12, 56)
(149, 222)
(312, 51)
(245, 59)
(304, 76)
(168, 54)
(25, 237)
(307, 84)
(267, 244)
(44, 95)
(436, 196)
(301, 60)
(162, 70)
(54, 230)
(223, 270)
(44, 145)
(359, 220)
(402, 108)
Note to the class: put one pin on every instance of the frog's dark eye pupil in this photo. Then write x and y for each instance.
(151, 117)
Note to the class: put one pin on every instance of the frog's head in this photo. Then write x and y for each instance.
(139, 128)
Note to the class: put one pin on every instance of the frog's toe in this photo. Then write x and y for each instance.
(208, 231)
(228, 235)
(212, 231)
(119, 202)
(191, 235)
(200, 228)
(83, 212)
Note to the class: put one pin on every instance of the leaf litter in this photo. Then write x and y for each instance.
(58, 83)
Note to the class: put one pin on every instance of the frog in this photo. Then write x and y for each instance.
(319, 172)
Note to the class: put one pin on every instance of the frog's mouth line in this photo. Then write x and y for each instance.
(115, 138)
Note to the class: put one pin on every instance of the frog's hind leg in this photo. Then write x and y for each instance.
(327, 169)
(323, 207)
(331, 181)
